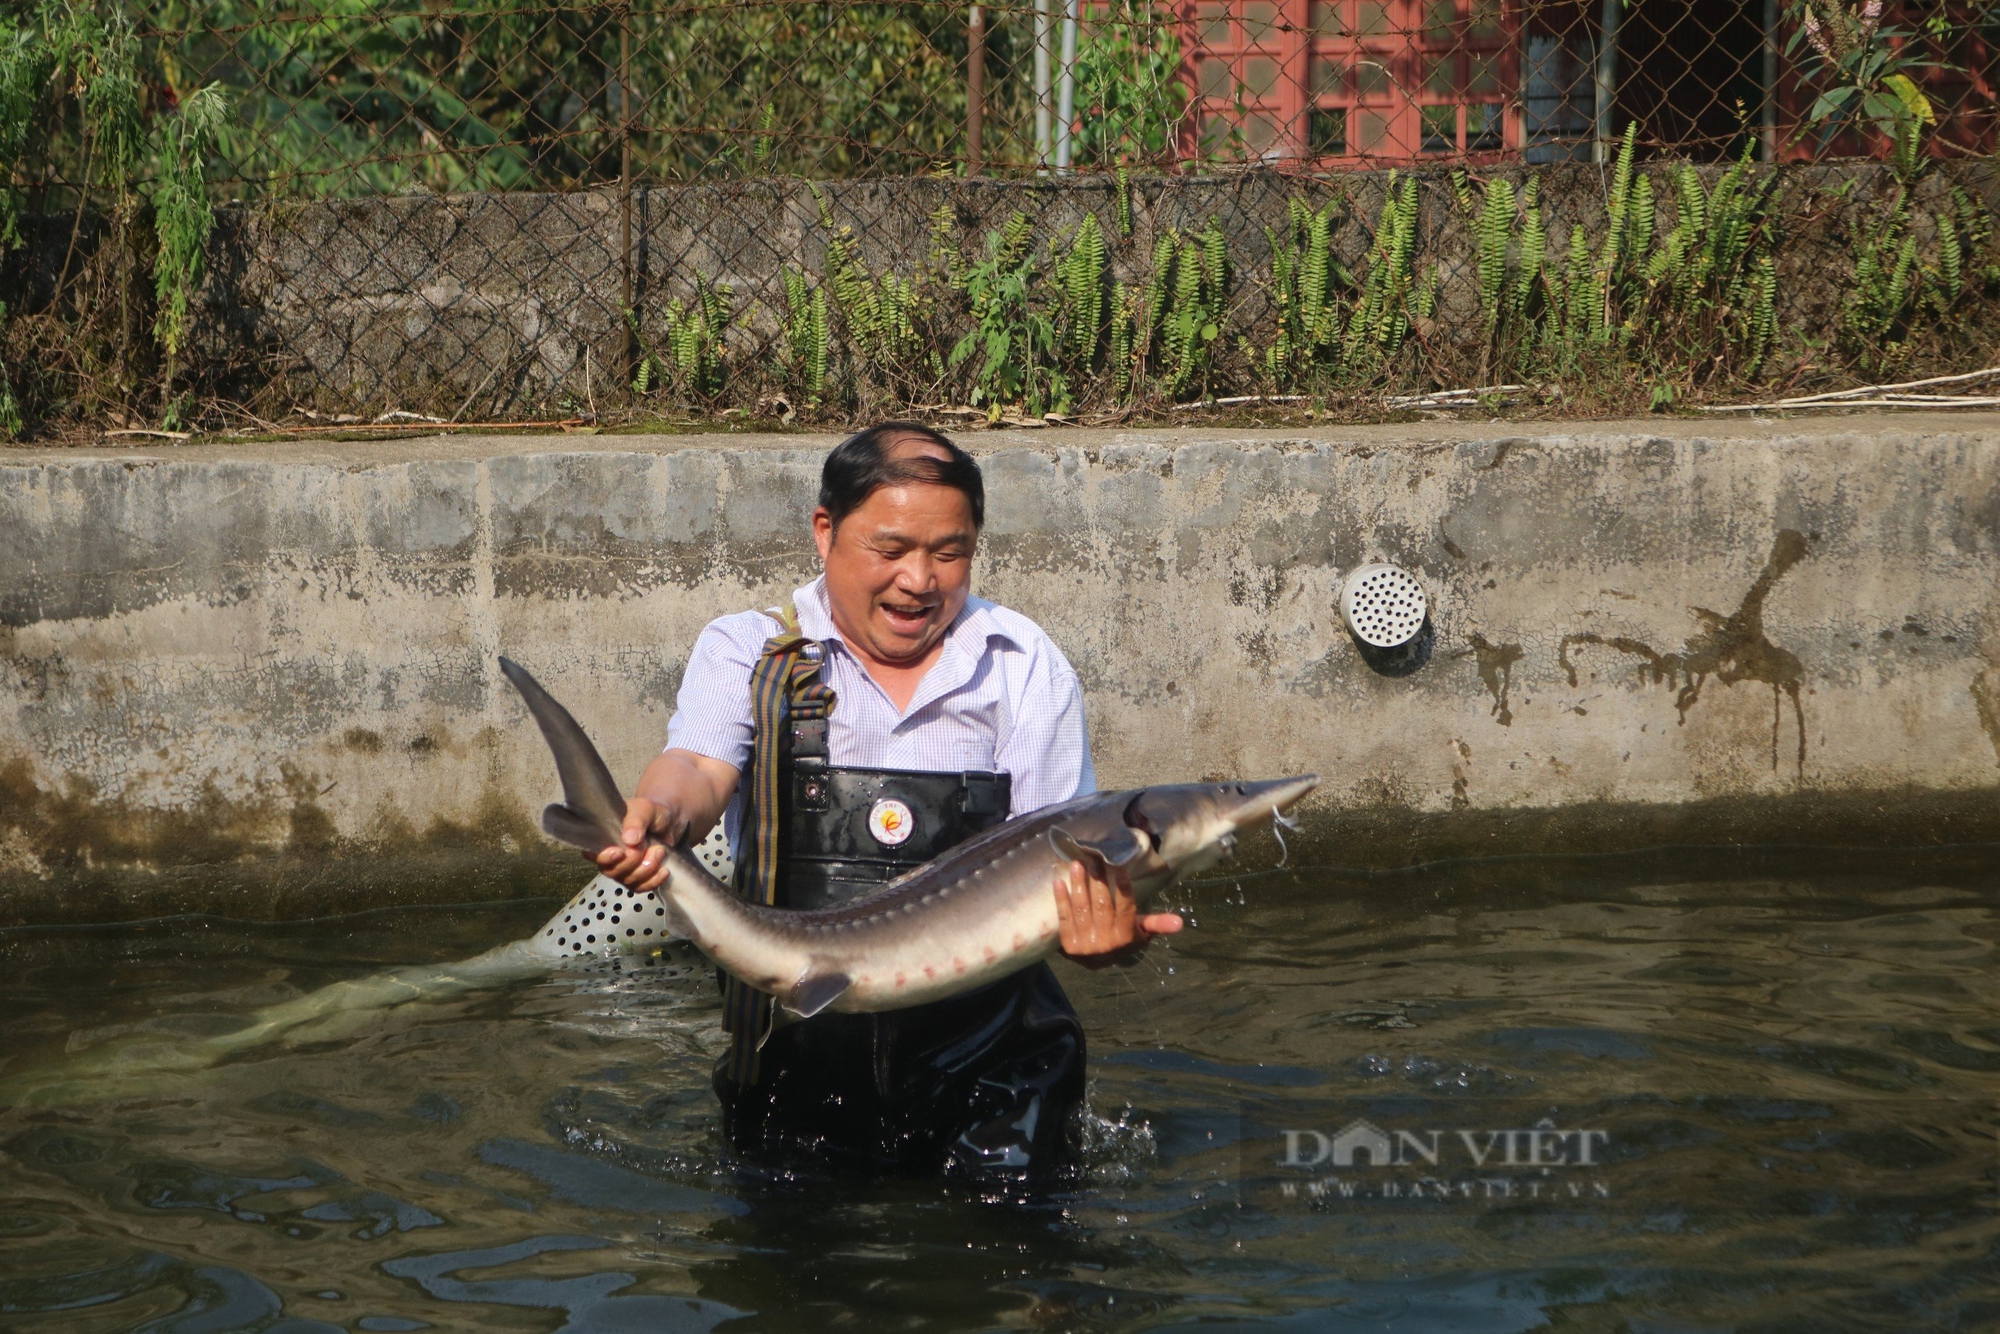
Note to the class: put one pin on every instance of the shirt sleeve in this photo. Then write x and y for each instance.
(712, 708)
(1047, 752)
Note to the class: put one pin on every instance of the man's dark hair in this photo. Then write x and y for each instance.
(866, 461)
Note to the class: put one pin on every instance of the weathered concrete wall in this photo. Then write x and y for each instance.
(262, 677)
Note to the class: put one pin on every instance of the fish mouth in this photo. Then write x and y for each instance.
(1248, 804)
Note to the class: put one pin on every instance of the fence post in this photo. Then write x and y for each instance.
(1607, 81)
(975, 87)
(1045, 111)
(628, 314)
(1770, 116)
(1066, 96)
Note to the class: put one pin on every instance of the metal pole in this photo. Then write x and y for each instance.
(1607, 79)
(625, 189)
(1044, 106)
(975, 87)
(1770, 80)
(1066, 100)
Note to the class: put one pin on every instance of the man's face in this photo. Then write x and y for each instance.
(898, 569)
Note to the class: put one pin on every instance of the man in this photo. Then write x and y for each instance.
(884, 716)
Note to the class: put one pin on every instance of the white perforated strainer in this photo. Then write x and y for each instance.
(713, 852)
(1382, 605)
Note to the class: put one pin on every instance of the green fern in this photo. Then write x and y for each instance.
(1187, 329)
(1617, 229)
(1380, 320)
(1529, 281)
(695, 346)
(1079, 296)
(1306, 280)
(1899, 289)
(807, 334)
(1122, 349)
(1493, 232)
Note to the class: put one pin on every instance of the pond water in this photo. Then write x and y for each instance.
(1685, 1091)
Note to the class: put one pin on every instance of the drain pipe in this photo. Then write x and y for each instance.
(1066, 101)
(1607, 79)
(1044, 107)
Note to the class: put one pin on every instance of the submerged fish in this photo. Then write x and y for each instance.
(982, 910)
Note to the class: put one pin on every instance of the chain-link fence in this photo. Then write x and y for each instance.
(390, 96)
(562, 207)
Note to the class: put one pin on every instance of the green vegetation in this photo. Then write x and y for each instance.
(1670, 293)
(1674, 279)
(67, 71)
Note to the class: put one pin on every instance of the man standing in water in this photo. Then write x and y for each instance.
(952, 715)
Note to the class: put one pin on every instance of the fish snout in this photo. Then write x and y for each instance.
(1247, 804)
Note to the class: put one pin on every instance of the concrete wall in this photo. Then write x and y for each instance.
(261, 678)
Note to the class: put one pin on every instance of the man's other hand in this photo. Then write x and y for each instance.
(1100, 919)
(680, 793)
(638, 860)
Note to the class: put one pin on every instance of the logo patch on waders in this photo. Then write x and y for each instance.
(891, 822)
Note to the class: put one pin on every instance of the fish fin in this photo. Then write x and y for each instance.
(814, 992)
(779, 1018)
(588, 789)
(564, 825)
(1119, 849)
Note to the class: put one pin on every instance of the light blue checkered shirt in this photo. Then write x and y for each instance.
(1000, 698)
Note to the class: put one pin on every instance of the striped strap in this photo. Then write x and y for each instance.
(785, 687)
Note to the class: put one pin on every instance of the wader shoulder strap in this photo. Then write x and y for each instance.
(789, 704)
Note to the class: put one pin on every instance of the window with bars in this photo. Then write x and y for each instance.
(1331, 81)
(1357, 82)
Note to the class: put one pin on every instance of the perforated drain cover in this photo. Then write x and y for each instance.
(1383, 606)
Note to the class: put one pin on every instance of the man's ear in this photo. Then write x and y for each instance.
(822, 523)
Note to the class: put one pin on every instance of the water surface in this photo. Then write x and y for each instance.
(1790, 1060)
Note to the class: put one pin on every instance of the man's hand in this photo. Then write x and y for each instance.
(680, 793)
(638, 860)
(1101, 922)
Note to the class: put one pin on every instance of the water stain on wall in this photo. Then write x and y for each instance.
(75, 827)
(1986, 698)
(1496, 672)
(1730, 648)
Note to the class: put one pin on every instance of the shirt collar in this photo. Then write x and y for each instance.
(965, 642)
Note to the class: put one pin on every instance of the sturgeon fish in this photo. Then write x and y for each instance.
(982, 910)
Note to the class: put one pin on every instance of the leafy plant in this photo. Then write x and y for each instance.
(1014, 340)
(1132, 94)
(1306, 282)
(881, 315)
(1185, 309)
(1711, 284)
(1392, 293)
(10, 407)
(1077, 298)
(694, 340)
(807, 336)
(182, 217)
(1901, 286)
(1868, 68)
(26, 62)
